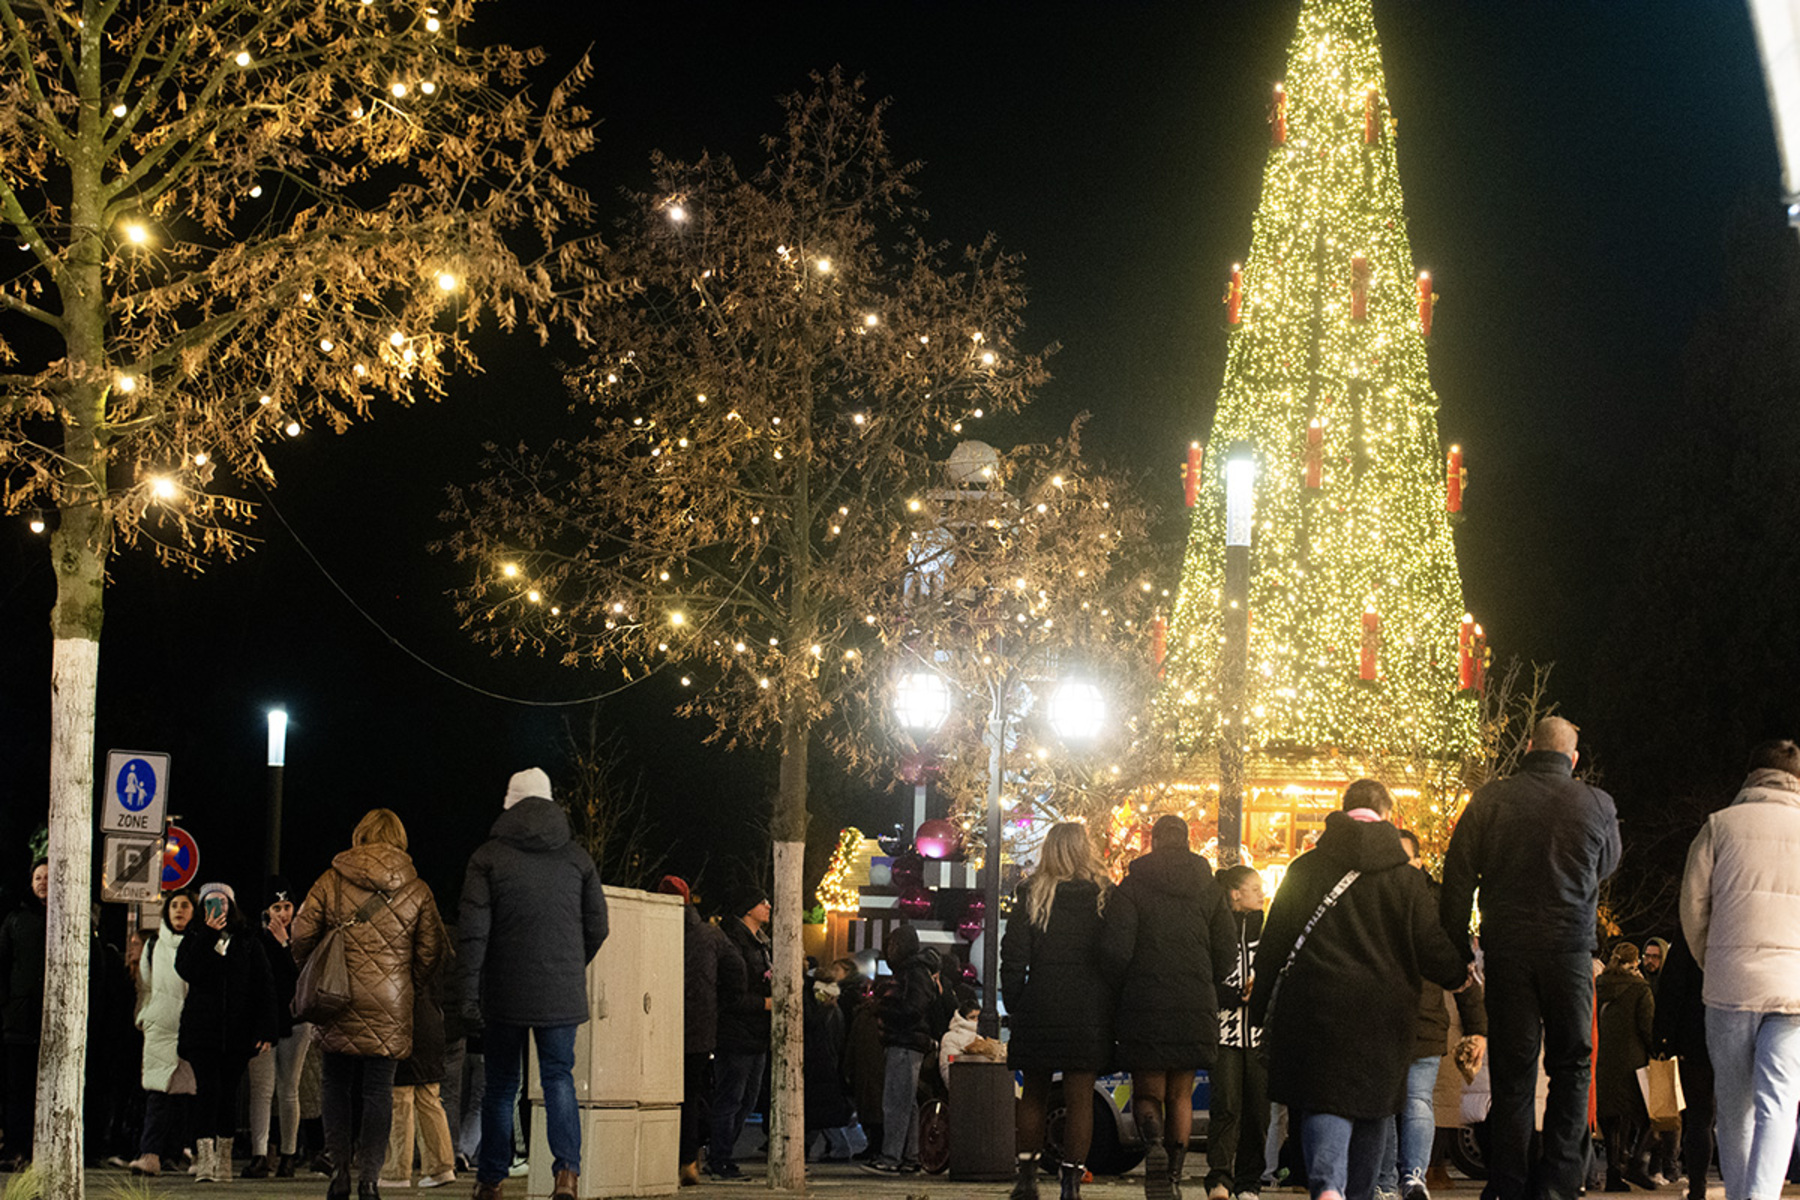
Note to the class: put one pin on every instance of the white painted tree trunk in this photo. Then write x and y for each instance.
(62, 1055)
(787, 1137)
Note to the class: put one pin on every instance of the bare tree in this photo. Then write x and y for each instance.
(762, 412)
(608, 812)
(229, 221)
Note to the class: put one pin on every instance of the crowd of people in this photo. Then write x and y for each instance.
(412, 1031)
(1330, 1015)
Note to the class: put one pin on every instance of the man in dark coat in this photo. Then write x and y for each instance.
(1170, 943)
(22, 947)
(743, 1047)
(711, 967)
(533, 916)
(1536, 845)
(1349, 935)
(913, 1015)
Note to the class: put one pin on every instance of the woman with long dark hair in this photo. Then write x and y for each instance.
(1059, 999)
(168, 1080)
(228, 1017)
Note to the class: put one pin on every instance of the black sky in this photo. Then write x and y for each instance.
(1570, 171)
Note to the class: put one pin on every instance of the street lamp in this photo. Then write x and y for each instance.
(1234, 666)
(278, 723)
(1077, 710)
(921, 701)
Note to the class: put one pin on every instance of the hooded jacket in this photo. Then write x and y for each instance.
(1536, 845)
(1740, 898)
(1627, 1014)
(1169, 946)
(161, 993)
(913, 1011)
(1342, 1030)
(387, 955)
(533, 916)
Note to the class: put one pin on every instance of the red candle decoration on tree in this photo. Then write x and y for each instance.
(1190, 474)
(1278, 117)
(1455, 477)
(1481, 656)
(1359, 288)
(1159, 642)
(1427, 302)
(1371, 645)
(1371, 117)
(1315, 454)
(1465, 654)
(1234, 295)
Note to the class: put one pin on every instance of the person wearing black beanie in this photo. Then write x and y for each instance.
(275, 1073)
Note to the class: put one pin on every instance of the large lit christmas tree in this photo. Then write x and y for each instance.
(1359, 650)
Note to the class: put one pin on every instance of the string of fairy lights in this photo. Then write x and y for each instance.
(1355, 595)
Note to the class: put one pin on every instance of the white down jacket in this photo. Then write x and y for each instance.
(161, 993)
(1740, 898)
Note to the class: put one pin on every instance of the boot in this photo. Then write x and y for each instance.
(1156, 1155)
(146, 1164)
(1025, 1181)
(1071, 1175)
(487, 1191)
(565, 1185)
(206, 1161)
(258, 1167)
(1177, 1158)
(339, 1187)
(690, 1174)
(222, 1164)
(368, 1189)
(284, 1167)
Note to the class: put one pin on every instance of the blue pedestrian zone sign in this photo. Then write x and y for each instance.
(135, 792)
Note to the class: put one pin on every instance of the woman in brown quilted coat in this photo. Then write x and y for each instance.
(393, 939)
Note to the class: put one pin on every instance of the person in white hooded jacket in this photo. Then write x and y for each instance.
(168, 1081)
(1740, 912)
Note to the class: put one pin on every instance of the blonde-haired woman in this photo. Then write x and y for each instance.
(1059, 1000)
(393, 941)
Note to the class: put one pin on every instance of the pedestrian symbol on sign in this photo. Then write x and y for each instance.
(137, 785)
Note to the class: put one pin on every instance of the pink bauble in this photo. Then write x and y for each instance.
(908, 868)
(915, 901)
(969, 929)
(970, 974)
(939, 839)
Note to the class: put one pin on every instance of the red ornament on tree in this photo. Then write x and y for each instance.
(1371, 646)
(1359, 288)
(1278, 117)
(1315, 454)
(1455, 478)
(1190, 474)
(1481, 659)
(1234, 295)
(1465, 654)
(1159, 642)
(1427, 301)
(1371, 117)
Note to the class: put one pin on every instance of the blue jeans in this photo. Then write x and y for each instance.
(1342, 1153)
(1542, 999)
(737, 1083)
(504, 1047)
(1756, 1083)
(900, 1106)
(1408, 1150)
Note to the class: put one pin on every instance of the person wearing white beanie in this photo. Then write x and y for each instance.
(526, 784)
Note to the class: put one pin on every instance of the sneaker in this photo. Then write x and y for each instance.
(1414, 1191)
(911, 1168)
(520, 1168)
(396, 1183)
(438, 1180)
(882, 1166)
(1249, 1196)
(726, 1170)
(1218, 1191)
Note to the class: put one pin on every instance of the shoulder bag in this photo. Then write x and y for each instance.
(1330, 899)
(323, 989)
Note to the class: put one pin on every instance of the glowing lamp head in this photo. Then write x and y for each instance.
(1077, 710)
(278, 723)
(163, 488)
(37, 524)
(446, 281)
(1240, 481)
(136, 234)
(922, 701)
(677, 213)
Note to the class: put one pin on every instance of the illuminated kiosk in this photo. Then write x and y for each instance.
(1319, 631)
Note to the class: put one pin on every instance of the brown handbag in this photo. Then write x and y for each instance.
(323, 989)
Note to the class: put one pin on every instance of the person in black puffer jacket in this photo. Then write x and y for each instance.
(1339, 1005)
(1169, 942)
(22, 946)
(711, 968)
(1059, 1000)
(229, 1016)
(743, 1049)
(913, 1014)
(275, 1073)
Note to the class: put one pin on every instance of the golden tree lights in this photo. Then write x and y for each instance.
(1326, 376)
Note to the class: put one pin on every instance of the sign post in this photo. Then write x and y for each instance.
(137, 792)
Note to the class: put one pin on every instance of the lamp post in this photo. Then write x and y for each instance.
(1234, 665)
(278, 721)
(921, 701)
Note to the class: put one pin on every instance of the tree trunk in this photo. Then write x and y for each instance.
(787, 1107)
(77, 551)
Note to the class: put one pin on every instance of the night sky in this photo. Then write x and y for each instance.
(1570, 170)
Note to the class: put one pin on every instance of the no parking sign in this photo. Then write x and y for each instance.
(181, 859)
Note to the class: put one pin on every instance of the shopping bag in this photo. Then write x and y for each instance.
(1660, 1081)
